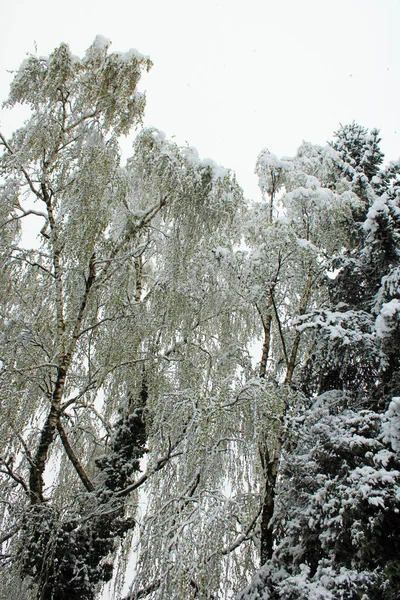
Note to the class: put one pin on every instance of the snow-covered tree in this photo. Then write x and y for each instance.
(118, 337)
(337, 510)
(292, 237)
(132, 417)
(337, 492)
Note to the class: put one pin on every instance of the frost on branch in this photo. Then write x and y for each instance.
(126, 332)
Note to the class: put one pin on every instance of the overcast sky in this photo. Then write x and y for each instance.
(233, 76)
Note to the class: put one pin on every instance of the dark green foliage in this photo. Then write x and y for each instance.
(337, 516)
(67, 556)
(337, 512)
(127, 447)
(352, 351)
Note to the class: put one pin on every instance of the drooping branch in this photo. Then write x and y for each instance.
(22, 169)
(243, 537)
(142, 593)
(24, 214)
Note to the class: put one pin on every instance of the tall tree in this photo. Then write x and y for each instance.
(106, 321)
(291, 250)
(337, 496)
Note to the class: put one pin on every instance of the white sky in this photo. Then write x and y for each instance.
(233, 76)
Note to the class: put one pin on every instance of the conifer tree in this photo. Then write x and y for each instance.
(336, 501)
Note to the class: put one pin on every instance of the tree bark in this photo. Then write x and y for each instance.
(296, 342)
(270, 462)
(36, 483)
(73, 458)
(270, 472)
(267, 324)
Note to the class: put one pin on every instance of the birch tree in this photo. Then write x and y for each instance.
(292, 237)
(113, 314)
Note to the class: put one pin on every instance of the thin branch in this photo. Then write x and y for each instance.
(6, 536)
(81, 120)
(243, 537)
(73, 458)
(25, 446)
(34, 264)
(126, 363)
(144, 591)
(10, 473)
(25, 213)
(161, 462)
(41, 366)
(68, 403)
(105, 320)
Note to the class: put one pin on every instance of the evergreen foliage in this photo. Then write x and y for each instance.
(127, 376)
(336, 517)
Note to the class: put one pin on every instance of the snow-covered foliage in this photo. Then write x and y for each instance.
(132, 411)
(359, 152)
(123, 289)
(338, 507)
(336, 519)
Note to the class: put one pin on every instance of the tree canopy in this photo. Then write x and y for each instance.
(138, 421)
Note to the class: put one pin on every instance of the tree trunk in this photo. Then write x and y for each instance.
(267, 324)
(38, 465)
(267, 538)
(271, 463)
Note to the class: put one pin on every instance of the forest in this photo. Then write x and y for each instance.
(199, 393)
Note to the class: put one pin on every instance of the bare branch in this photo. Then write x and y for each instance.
(73, 458)
(144, 591)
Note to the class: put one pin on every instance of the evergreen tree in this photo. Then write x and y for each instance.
(337, 495)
